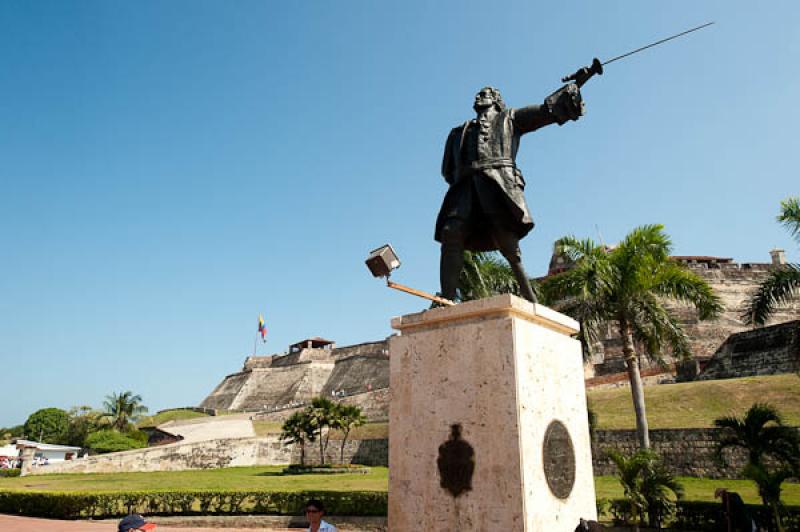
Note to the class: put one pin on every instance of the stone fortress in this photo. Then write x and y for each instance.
(273, 386)
(313, 367)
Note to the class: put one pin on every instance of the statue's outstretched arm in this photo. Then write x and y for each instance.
(563, 105)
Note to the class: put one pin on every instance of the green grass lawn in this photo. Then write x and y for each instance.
(701, 489)
(269, 478)
(697, 404)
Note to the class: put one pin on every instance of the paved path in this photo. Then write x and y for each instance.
(212, 428)
(13, 523)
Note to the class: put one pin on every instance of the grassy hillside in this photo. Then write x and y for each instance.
(170, 415)
(697, 404)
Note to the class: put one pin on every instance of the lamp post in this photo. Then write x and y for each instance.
(383, 260)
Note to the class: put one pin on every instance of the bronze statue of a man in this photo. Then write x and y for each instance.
(485, 208)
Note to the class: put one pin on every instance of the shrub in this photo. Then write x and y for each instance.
(76, 505)
(109, 441)
(14, 472)
(702, 516)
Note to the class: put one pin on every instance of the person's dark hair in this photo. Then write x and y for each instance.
(316, 503)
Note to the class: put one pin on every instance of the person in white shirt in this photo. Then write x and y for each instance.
(314, 512)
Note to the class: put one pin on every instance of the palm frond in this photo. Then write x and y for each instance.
(676, 282)
(789, 216)
(654, 326)
(485, 274)
(782, 285)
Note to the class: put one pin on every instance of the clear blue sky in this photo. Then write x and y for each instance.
(169, 170)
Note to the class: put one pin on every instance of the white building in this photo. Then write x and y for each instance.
(47, 452)
(9, 451)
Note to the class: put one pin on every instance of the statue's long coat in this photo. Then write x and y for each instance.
(492, 159)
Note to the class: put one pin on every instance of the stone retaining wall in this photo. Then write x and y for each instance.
(686, 452)
(362, 452)
(179, 456)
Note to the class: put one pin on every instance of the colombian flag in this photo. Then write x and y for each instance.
(262, 328)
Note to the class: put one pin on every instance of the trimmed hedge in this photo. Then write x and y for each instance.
(75, 505)
(12, 472)
(695, 515)
(704, 516)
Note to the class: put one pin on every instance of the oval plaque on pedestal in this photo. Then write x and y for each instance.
(558, 459)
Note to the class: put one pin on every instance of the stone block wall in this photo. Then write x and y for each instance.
(764, 351)
(357, 374)
(180, 456)
(686, 452)
(362, 452)
(374, 405)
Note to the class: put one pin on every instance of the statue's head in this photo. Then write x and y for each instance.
(487, 97)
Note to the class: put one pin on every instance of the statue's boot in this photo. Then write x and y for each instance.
(509, 247)
(452, 262)
(522, 279)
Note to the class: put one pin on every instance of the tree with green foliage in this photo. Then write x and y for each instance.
(9, 433)
(783, 283)
(650, 490)
(769, 488)
(123, 409)
(773, 451)
(347, 417)
(297, 429)
(84, 421)
(322, 415)
(111, 441)
(761, 433)
(48, 425)
(485, 274)
(628, 285)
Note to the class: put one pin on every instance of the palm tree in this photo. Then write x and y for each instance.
(648, 487)
(783, 283)
(347, 418)
(123, 409)
(485, 274)
(769, 488)
(298, 429)
(322, 415)
(627, 286)
(761, 433)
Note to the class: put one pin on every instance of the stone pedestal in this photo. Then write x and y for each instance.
(488, 427)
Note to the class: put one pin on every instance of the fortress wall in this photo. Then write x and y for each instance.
(275, 381)
(686, 452)
(733, 283)
(180, 456)
(282, 385)
(258, 362)
(224, 395)
(358, 373)
(764, 351)
(374, 405)
(380, 348)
